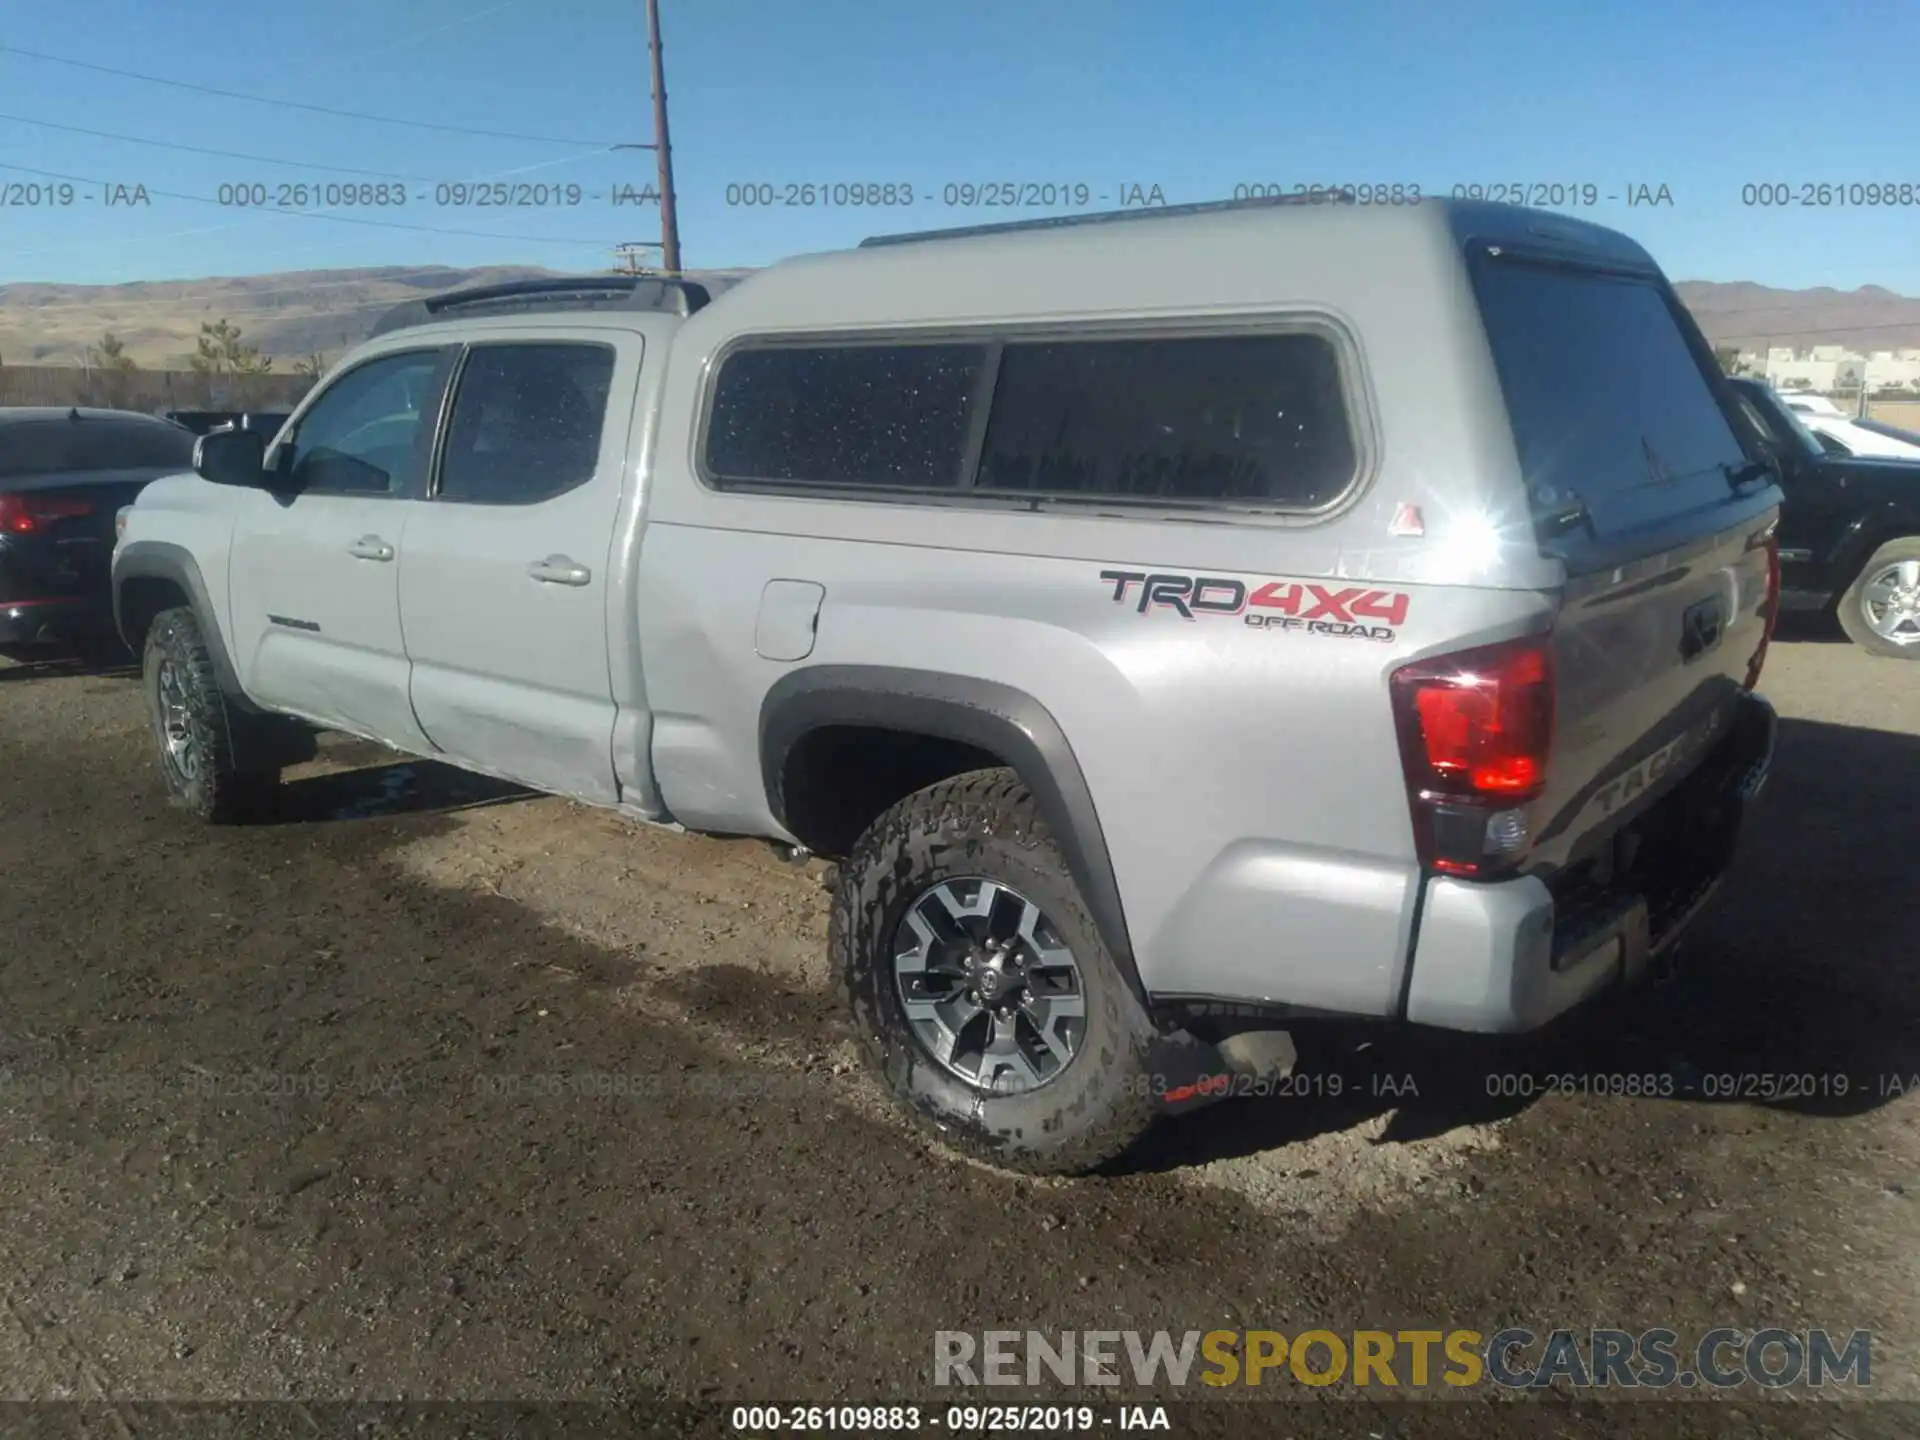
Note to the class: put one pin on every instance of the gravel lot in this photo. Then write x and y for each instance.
(424, 1089)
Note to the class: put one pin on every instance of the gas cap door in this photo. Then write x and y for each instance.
(789, 617)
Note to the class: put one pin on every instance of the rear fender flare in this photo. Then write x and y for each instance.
(987, 715)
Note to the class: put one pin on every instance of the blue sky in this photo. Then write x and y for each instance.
(1194, 97)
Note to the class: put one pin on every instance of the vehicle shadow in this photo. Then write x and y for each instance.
(389, 786)
(105, 659)
(1809, 627)
(1795, 991)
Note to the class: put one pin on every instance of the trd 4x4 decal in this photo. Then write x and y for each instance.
(1275, 605)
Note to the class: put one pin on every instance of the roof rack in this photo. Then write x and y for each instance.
(1114, 217)
(581, 292)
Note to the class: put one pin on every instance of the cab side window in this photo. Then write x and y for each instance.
(526, 422)
(371, 432)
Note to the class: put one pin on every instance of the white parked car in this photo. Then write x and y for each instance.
(1841, 436)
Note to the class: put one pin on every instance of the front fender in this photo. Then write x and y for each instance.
(162, 560)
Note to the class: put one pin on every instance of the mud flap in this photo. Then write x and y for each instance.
(1190, 1073)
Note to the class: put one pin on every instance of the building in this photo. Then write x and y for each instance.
(1824, 369)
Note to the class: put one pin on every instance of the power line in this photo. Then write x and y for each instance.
(296, 104)
(218, 154)
(487, 179)
(330, 219)
(441, 29)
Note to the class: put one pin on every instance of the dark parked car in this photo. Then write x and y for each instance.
(1849, 530)
(63, 475)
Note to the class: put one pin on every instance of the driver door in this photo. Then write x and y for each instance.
(314, 575)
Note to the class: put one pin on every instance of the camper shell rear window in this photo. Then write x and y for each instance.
(1610, 403)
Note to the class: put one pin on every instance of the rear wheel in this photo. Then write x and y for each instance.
(1881, 609)
(983, 994)
(194, 735)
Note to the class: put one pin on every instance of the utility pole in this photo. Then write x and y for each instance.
(663, 148)
(631, 256)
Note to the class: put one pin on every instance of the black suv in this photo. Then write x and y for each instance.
(1849, 530)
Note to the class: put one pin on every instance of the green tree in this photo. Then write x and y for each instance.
(111, 354)
(1729, 358)
(110, 362)
(312, 367)
(219, 352)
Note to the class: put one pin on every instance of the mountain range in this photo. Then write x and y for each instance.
(1756, 316)
(289, 316)
(294, 314)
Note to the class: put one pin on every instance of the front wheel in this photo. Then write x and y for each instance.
(1881, 609)
(192, 734)
(984, 996)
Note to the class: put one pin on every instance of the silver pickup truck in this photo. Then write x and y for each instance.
(1179, 624)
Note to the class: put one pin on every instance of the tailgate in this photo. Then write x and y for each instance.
(1651, 659)
(1633, 468)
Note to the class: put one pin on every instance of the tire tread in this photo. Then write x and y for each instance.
(988, 802)
(226, 792)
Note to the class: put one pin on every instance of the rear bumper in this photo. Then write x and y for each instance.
(52, 591)
(28, 622)
(1512, 955)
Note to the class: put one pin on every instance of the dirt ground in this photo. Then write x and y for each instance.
(422, 1089)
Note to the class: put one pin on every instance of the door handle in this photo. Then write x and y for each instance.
(370, 547)
(559, 570)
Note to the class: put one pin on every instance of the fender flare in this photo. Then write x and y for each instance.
(987, 715)
(1865, 534)
(161, 560)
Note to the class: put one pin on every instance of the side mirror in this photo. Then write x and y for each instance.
(231, 456)
(1772, 453)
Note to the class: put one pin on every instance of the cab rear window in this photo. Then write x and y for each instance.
(1609, 404)
(54, 447)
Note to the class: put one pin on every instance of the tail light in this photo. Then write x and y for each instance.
(26, 513)
(1476, 728)
(1769, 540)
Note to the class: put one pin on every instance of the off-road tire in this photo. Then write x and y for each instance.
(985, 823)
(1852, 616)
(227, 783)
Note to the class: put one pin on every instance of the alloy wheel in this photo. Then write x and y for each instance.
(991, 992)
(1890, 603)
(175, 724)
